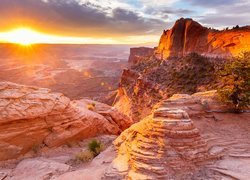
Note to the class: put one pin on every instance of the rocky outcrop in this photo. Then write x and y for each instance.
(32, 118)
(138, 94)
(187, 36)
(197, 104)
(158, 147)
(138, 54)
(134, 94)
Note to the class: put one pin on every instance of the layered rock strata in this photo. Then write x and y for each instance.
(187, 36)
(158, 147)
(32, 118)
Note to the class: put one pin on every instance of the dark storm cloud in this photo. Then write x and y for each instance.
(67, 16)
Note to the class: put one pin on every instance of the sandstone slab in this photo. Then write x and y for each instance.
(32, 118)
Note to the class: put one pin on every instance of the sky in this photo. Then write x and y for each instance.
(115, 21)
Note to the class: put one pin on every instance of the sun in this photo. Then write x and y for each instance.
(23, 36)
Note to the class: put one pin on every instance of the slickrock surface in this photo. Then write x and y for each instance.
(39, 168)
(188, 36)
(32, 118)
(164, 145)
(197, 104)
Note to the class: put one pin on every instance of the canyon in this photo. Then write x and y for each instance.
(167, 120)
(78, 71)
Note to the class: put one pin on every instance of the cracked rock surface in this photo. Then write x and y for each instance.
(33, 118)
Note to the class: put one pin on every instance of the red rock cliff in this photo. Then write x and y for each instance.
(188, 36)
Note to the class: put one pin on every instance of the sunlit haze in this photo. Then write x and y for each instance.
(28, 36)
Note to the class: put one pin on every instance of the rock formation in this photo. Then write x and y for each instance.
(197, 104)
(187, 36)
(138, 54)
(133, 93)
(31, 118)
(165, 145)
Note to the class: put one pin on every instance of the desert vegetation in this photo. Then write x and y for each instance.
(235, 79)
(95, 147)
(91, 106)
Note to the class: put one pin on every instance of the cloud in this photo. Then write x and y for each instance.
(113, 18)
(212, 3)
(229, 15)
(74, 17)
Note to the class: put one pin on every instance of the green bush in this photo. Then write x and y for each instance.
(235, 78)
(95, 147)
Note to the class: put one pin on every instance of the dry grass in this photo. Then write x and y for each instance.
(84, 156)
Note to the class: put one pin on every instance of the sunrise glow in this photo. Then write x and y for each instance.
(26, 36)
(22, 36)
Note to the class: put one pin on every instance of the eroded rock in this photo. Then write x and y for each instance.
(31, 118)
(187, 36)
(164, 145)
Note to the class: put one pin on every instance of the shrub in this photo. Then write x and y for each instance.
(236, 82)
(84, 156)
(95, 147)
(91, 106)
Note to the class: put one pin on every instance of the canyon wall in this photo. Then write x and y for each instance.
(187, 36)
(194, 54)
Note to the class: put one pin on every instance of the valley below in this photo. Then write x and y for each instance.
(78, 71)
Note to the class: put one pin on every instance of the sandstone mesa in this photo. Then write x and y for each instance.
(187, 36)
